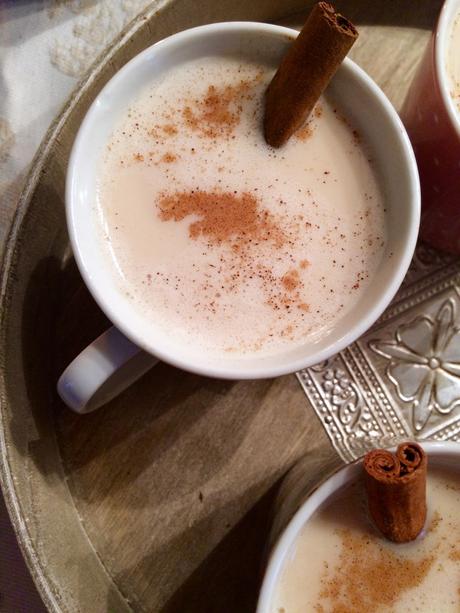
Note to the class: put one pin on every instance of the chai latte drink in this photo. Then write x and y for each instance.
(231, 246)
(340, 562)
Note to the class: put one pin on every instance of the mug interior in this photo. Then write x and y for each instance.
(361, 100)
(439, 454)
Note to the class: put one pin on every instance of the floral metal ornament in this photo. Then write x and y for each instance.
(343, 395)
(401, 380)
(424, 363)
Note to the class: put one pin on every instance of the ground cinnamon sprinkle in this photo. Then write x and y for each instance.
(223, 216)
(368, 575)
(218, 112)
(308, 128)
(213, 115)
(160, 130)
(304, 132)
(291, 280)
(435, 521)
(169, 129)
(237, 220)
(169, 158)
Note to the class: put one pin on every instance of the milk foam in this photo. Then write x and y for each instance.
(338, 546)
(238, 297)
(453, 62)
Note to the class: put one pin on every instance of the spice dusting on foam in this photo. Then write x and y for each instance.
(383, 575)
(238, 222)
(226, 243)
(223, 217)
(218, 112)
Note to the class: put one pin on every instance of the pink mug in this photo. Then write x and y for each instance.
(432, 120)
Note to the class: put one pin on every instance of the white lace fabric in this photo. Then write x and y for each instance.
(45, 48)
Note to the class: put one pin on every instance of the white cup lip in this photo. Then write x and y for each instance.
(246, 370)
(447, 452)
(442, 34)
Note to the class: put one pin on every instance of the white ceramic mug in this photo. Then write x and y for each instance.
(125, 352)
(439, 454)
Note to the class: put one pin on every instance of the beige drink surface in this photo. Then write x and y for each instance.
(453, 61)
(341, 564)
(229, 245)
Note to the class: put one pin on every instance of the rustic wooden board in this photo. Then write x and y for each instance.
(161, 501)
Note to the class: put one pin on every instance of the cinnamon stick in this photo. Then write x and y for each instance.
(396, 490)
(305, 72)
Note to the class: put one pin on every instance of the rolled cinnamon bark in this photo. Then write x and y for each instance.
(305, 71)
(396, 490)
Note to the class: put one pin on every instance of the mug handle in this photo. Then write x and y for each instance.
(103, 370)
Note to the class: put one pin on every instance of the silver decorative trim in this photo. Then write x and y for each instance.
(402, 378)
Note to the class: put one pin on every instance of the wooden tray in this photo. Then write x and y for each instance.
(161, 501)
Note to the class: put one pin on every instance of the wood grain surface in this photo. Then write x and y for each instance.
(163, 500)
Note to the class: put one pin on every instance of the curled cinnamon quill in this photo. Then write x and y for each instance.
(396, 490)
(305, 72)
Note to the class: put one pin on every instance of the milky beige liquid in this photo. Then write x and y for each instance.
(453, 61)
(240, 295)
(340, 563)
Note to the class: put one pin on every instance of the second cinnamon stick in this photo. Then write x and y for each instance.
(396, 490)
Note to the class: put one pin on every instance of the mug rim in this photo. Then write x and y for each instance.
(340, 477)
(442, 34)
(245, 370)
